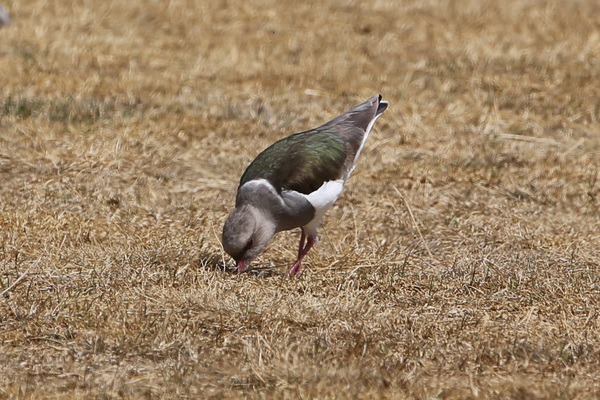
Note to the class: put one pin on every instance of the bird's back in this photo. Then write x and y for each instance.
(303, 161)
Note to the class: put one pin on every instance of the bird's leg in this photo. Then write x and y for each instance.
(295, 270)
(302, 239)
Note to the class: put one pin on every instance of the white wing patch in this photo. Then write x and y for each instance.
(322, 199)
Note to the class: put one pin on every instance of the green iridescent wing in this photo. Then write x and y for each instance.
(302, 161)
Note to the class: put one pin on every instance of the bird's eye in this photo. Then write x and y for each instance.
(249, 244)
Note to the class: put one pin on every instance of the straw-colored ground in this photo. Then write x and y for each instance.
(461, 261)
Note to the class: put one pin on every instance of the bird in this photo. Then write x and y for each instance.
(292, 183)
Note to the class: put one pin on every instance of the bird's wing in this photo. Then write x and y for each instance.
(301, 162)
(304, 161)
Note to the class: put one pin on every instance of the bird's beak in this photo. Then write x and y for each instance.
(241, 266)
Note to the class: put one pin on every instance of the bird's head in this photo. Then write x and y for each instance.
(246, 234)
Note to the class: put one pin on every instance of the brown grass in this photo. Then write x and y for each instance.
(124, 129)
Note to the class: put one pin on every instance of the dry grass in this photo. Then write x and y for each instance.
(124, 129)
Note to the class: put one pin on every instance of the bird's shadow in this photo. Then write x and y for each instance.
(215, 263)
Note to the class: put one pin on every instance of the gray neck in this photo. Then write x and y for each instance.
(265, 228)
(287, 210)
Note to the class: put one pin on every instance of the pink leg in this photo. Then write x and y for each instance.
(302, 239)
(295, 270)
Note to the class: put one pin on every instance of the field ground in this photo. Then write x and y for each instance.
(460, 262)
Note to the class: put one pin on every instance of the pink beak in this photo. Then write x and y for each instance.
(241, 266)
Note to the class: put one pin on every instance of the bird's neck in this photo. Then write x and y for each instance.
(266, 226)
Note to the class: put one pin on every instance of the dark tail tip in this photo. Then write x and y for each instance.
(382, 106)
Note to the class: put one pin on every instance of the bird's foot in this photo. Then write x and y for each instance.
(295, 270)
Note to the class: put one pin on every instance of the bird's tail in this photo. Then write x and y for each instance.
(356, 125)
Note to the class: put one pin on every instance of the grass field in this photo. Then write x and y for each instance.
(460, 262)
